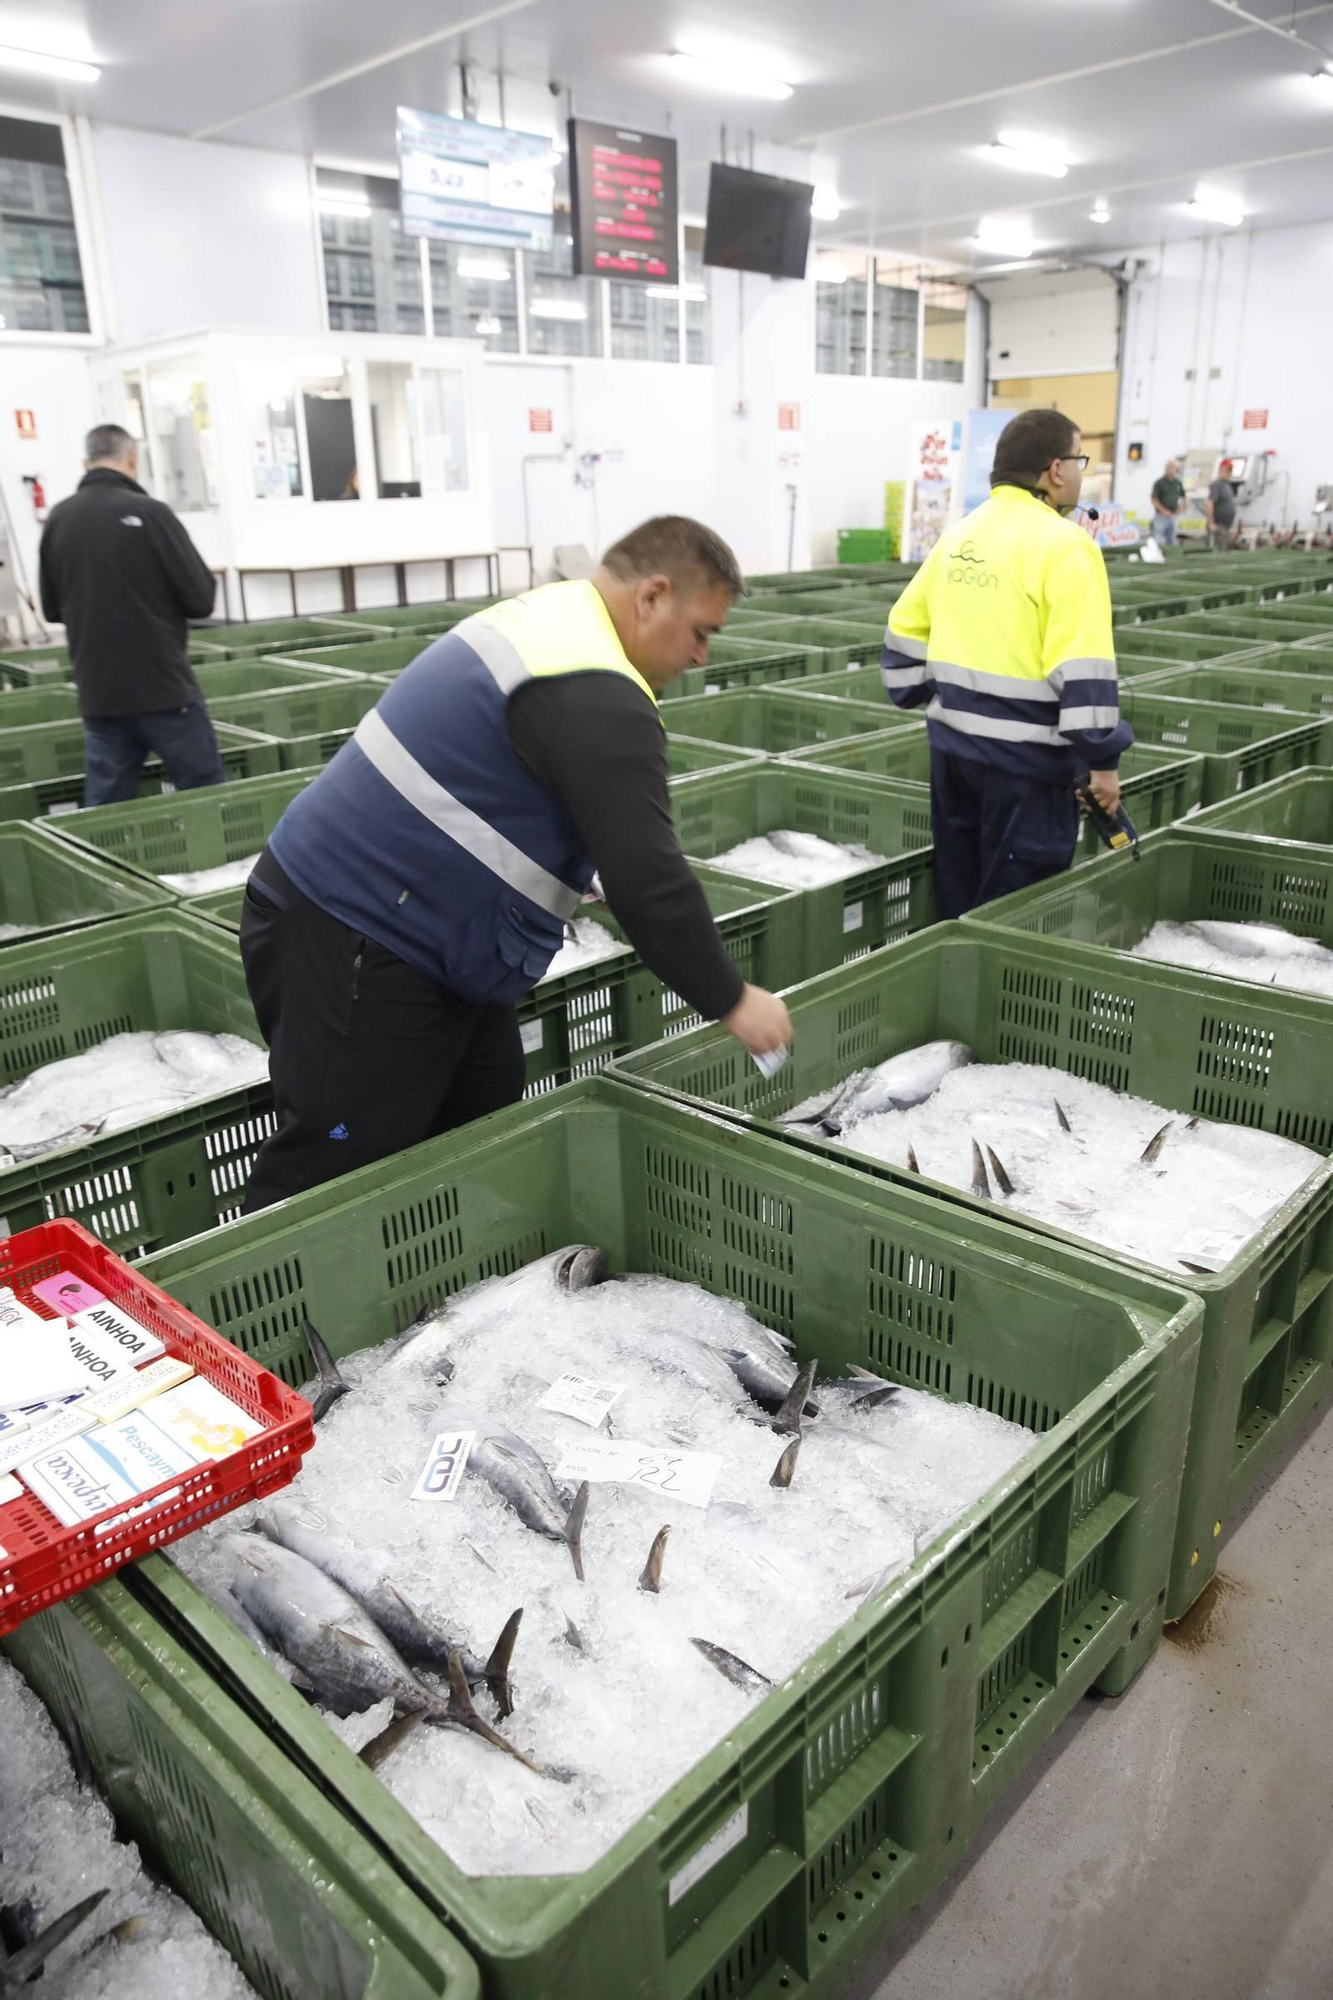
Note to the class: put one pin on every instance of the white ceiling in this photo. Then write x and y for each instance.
(895, 100)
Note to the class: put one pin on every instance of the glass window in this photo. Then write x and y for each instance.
(443, 407)
(184, 469)
(394, 429)
(698, 334)
(840, 313)
(474, 294)
(273, 454)
(41, 277)
(564, 312)
(326, 401)
(944, 334)
(897, 307)
(372, 269)
(645, 321)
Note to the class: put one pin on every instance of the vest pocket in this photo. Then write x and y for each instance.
(527, 942)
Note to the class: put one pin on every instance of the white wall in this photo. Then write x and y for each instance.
(54, 383)
(1253, 307)
(1071, 329)
(204, 235)
(859, 439)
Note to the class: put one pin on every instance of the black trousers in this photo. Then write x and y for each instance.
(367, 1054)
(993, 832)
(116, 748)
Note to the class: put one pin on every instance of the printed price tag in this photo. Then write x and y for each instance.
(444, 1468)
(853, 917)
(1258, 1202)
(580, 1397)
(676, 1475)
(531, 1036)
(1213, 1248)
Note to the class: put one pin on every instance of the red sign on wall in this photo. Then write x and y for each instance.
(540, 420)
(789, 416)
(1255, 420)
(25, 423)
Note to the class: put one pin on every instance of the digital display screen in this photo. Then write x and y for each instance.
(622, 188)
(757, 222)
(461, 182)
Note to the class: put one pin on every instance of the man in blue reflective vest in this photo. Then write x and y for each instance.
(421, 884)
(1004, 633)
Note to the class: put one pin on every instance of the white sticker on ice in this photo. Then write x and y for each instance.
(730, 1834)
(580, 1397)
(853, 917)
(444, 1468)
(1259, 1202)
(1213, 1248)
(676, 1475)
(532, 1037)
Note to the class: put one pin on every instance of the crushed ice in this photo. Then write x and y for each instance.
(203, 881)
(122, 1081)
(794, 860)
(1263, 953)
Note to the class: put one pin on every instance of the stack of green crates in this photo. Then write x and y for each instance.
(47, 886)
(838, 1801)
(774, 719)
(864, 545)
(307, 723)
(41, 765)
(1166, 642)
(1204, 1047)
(1257, 686)
(1242, 747)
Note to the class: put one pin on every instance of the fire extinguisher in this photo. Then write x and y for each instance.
(37, 494)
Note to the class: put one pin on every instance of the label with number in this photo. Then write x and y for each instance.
(1258, 1203)
(853, 917)
(445, 1466)
(579, 1396)
(531, 1036)
(676, 1475)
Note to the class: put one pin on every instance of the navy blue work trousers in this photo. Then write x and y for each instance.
(116, 748)
(994, 832)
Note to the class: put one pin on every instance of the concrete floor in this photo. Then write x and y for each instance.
(1178, 1841)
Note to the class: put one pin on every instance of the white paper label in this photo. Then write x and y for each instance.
(129, 1391)
(531, 1035)
(770, 1061)
(730, 1834)
(203, 1421)
(1258, 1202)
(580, 1397)
(10, 1489)
(443, 1471)
(1213, 1248)
(118, 1335)
(853, 917)
(43, 1437)
(676, 1475)
(75, 1485)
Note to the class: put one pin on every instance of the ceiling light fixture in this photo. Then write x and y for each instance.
(557, 309)
(1004, 236)
(1099, 212)
(490, 268)
(825, 206)
(1029, 156)
(34, 62)
(1214, 205)
(676, 291)
(730, 74)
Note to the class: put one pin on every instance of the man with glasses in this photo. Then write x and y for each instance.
(1004, 636)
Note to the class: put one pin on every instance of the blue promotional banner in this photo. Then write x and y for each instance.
(982, 429)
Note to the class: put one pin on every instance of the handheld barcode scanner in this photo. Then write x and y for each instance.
(1117, 830)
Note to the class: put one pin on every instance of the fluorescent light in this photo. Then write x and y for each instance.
(345, 205)
(484, 267)
(1004, 236)
(731, 74)
(1214, 205)
(676, 291)
(825, 206)
(557, 309)
(1029, 156)
(1099, 212)
(320, 367)
(1324, 78)
(34, 63)
(488, 325)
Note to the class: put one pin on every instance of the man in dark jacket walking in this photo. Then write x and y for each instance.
(121, 574)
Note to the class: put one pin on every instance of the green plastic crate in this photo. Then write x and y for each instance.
(1304, 610)
(715, 811)
(295, 1892)
(859, 606)
(184, 831)
(262, 673)
(793, 579)
(1307, 656)
(762, 660)
(774, 719)
(244, 754)
(1166, 642)
(1297, 808)
(1246, 1055)
(381, 658)
(289, 635)
(692, 753)
(415, 617)
(46, 886)
(55, 662)
(841, 641)
(854, 683)
(50, 700)
(855, 1786)
(1158, 786)
(299, 711)
(1130, 608)
(1259, 686)
(1248, 627)
(29, 670)
(1242, 747)
(863, 545)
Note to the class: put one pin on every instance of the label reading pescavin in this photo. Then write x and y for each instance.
(443, 1471)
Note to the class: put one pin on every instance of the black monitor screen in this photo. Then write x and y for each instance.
(757, 222)
(623, 190)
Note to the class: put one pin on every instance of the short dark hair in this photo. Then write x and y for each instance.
(106, 441)
(1028, 443)
(678, 547)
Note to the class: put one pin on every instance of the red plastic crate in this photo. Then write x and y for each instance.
(42, 1561)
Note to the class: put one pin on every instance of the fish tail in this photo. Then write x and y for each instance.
(651, 1577)
(788, 1419)
(912, 1166)
(462, 1712)
(373, 1754)
(497, 1667)
(574, 1528)
(980, 1185)
(1065, 1125)
(331, 1384)
(1002, 1180)
(24, 1965)
(786, 1465)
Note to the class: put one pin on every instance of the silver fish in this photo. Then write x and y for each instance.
(1155, 1144)
(366, 1574)
(521, 1477)
(904, 1080)
(24, 1966)
(1065, 1125)
(736, 1670)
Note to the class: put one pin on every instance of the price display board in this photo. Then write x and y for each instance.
(623, 193)
(461, 182)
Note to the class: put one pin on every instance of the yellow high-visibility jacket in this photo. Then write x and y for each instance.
(1004, 633)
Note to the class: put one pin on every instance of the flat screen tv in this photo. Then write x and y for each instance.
(757, 222)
